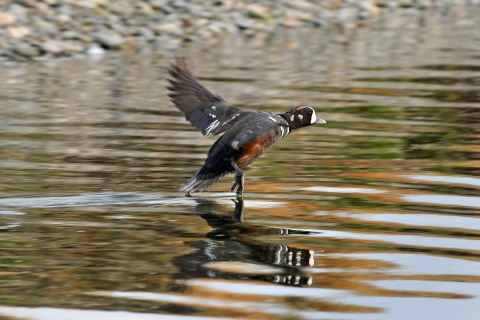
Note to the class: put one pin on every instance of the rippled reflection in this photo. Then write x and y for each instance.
(233, 240)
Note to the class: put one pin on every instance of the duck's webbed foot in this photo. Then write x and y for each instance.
(239, 179)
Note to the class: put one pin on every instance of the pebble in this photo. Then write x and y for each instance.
(27, 3)
(18, 32)
(74, 35)
(7, 18)
(42, 27)
(258, 11)
(290, 21)
(158, 4)
(109, 40)
(95, 51)
(20, 12)
(26, 49)
(58, 28)
(53, 47)
(405, 3)
(146, 8)
(73, 46)
(146, 33)
(173, 29)
(242, 23)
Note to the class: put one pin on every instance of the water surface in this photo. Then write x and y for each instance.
(375, 215)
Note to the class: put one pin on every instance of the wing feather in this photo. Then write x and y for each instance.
(206, 111)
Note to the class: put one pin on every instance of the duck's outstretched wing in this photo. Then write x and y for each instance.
(207, 112)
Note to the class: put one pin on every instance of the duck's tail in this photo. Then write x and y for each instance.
(199, 182)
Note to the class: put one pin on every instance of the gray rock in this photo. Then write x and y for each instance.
(178, 4)
(146, 33)
(145, 8)
(405, 3)
(26, 49)
(42, 7)
(109, 40)
(66, 9)
(167, 9)
(121, 7)
(423, 4)
(242, 22)
(74, 46)
(129, 32)
(53, 47)
(206, 14)
(158, 4)
(44, 27)
(27, 3)
(19, 11)
(345, 14)
(258, 12)
(169, 28)
(74, 35)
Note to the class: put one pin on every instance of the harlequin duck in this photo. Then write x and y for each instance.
(247, 134)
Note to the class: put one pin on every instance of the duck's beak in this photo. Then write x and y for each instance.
(320, 121)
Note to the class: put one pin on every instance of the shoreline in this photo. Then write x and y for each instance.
(37, 30)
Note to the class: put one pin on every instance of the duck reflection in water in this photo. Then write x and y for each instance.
(233, 240)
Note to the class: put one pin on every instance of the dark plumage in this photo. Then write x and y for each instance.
(247, 134)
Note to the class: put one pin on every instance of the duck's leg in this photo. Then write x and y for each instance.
(239, 179)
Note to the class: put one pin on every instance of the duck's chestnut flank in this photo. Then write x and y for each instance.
(246, 134)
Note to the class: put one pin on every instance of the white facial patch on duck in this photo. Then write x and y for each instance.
(300, 117)
(314, 117)
(291, 118)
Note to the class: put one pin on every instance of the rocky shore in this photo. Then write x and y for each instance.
(37, 29)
